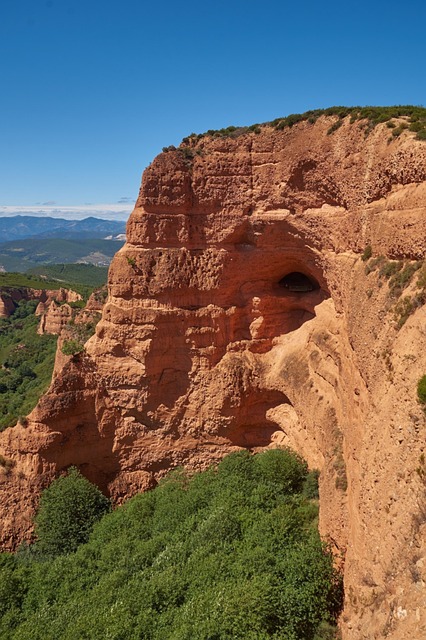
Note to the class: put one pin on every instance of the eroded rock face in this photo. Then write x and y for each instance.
(202, 347)
(54, 318)
(7, 305)
(10, 296)
(55, 311)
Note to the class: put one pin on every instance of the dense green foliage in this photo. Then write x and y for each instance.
(227, 553)
(68, 510)
(84, 286)
(415, 121)
(72, 347)
(367, 253)
(415, 115)
(26, 361)
(24, 280)
(86, 274)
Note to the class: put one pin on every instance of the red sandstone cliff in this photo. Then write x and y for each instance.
(201, 349)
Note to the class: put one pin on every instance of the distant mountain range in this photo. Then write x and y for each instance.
(28, 241)
(22, 227)
(22, 255)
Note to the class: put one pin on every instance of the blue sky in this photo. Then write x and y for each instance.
(91, 91)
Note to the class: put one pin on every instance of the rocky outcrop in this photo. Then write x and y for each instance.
(64, 295)
(10, 296)
(7, 304)
(54, 317)
(208, 343)
(97, 299)
(54, 310)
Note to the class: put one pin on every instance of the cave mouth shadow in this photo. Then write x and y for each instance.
(252, 428)
(286, 303)
(298, 282)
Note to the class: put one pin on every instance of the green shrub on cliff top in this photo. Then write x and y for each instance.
(372, 116)
(72, 347)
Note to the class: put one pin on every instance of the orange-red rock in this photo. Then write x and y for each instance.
(54, 318)
(201, 350)
(10, 296)
(55, 311)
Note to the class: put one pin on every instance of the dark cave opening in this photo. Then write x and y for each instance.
(298, 282)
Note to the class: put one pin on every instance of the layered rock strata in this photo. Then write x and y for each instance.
(53, 318)
(206, 345)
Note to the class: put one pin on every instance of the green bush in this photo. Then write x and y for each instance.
(402, 277)
(6, 463)
(336, 125)
(398, 130)
(283, 466)
(374, 264)
(68, 509)
(389, 268)
(421, 390)
(403, 309)
(421, 280)
(13, 585)
(367, 253)
(310, 489)
(187, 153)
(72, 347)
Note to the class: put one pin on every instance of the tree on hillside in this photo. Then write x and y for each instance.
(68, 509)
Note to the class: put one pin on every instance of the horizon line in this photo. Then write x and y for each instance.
(106, 211)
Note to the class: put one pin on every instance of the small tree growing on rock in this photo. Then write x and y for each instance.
(72, 347)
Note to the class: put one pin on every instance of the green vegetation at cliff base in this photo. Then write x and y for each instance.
(232, 552)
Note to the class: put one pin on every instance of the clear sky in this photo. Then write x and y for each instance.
(92, 90)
